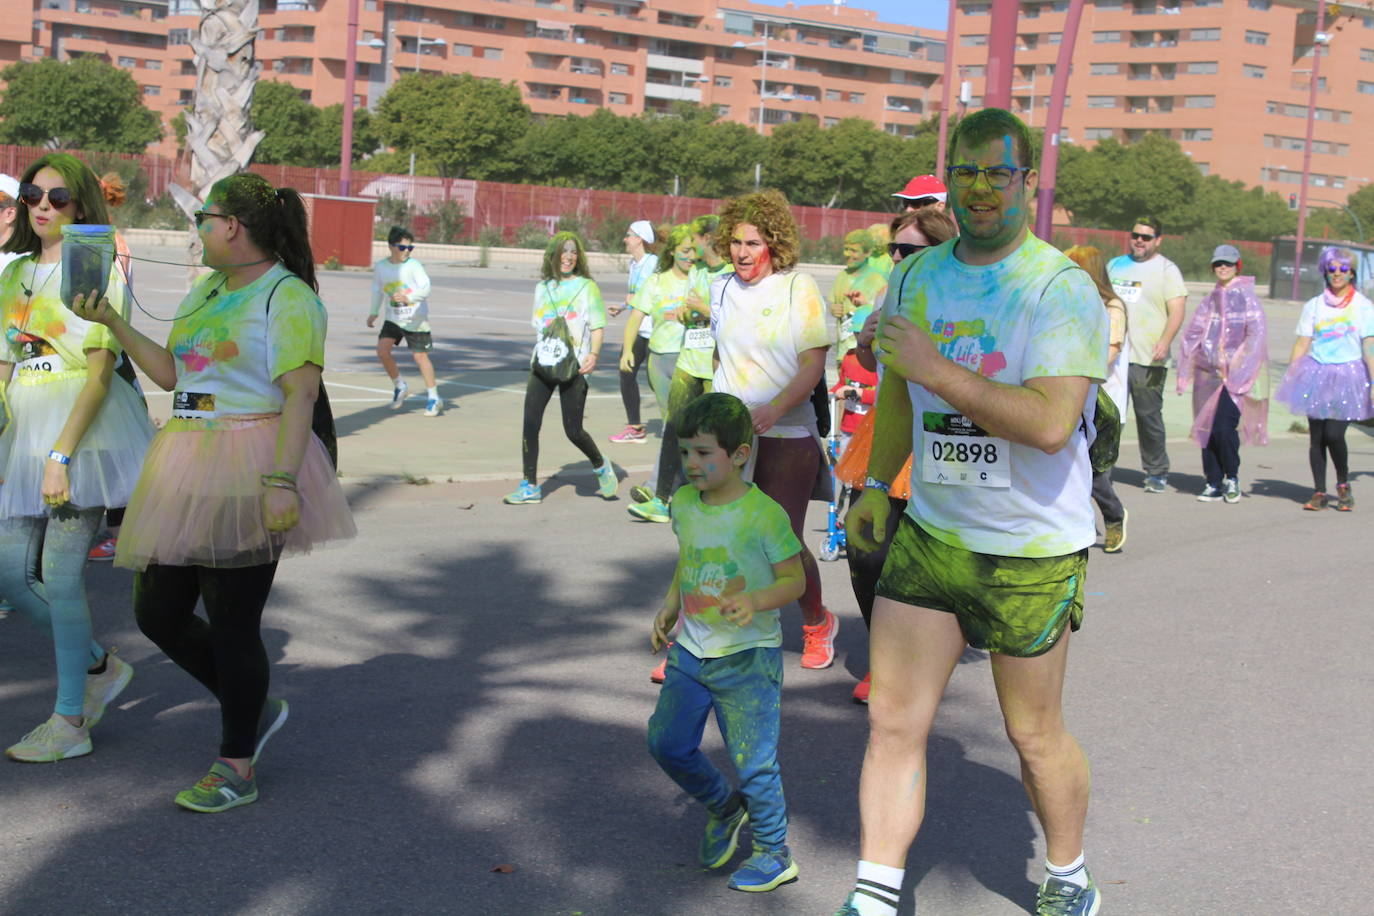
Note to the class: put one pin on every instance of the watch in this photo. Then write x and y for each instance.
(873, 483)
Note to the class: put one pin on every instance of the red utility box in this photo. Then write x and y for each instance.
(341, 227)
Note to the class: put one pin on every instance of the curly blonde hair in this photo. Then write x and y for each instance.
(769, 213)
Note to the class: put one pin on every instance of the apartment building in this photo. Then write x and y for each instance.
(1228, 79)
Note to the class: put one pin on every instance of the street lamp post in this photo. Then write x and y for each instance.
(1319, 39)
(350, 68)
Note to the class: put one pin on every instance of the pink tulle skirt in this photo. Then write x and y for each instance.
(1327, 391)
(199, 499)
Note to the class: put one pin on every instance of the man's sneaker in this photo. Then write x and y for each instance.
(270, 721)
(1230, 490)
(818, 642)
(219, 790)
(398, 396)
(606, 481)
(641, 494)
(1116, 534)
(434, 407)
(1345, 500)
(102, 688)
(863, 689)
(103, 550)
(722, 836)
(655, 510)
(1061, 898)
(631, 435)
(526, 493)
(661, 669)
(54, 740)
(1209, 494)
(764, 871)
(1155, 483)
(1316, 503)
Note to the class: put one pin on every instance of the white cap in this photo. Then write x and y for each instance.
(640, 227)
(9, 185)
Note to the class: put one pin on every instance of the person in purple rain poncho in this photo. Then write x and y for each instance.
(1225, 357)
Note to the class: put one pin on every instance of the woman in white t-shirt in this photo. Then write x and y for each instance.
(771, 339)
(643, 263)
(236, 479)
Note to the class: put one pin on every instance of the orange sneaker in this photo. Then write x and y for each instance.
(862, 688)
(103, 551)
(659, 673)
(818, 642)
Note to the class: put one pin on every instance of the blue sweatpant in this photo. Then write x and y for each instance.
(745, 690)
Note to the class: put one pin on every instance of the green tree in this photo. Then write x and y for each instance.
(852, 164)
(1111, 184)
(469, 127)
(290, 124)
(330, 132)
(83, 103)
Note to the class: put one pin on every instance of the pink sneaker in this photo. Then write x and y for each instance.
(659, 673)
(630, 434)
(818, 642)
(103, 551)
(862, 689)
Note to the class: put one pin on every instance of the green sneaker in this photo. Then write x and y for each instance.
(54, 740)
(1060, 898)
(219, 790)
(606, 481)
(272, 718)
(722, 836)
(655, 510)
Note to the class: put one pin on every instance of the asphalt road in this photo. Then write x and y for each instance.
(469, 686)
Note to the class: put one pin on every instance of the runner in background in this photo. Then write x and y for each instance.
(401, 286)
(643, 263)
(860, 285)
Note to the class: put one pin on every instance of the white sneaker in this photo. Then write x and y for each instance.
(434, 407)
(54, 740)
(398, 397)
(102, 688)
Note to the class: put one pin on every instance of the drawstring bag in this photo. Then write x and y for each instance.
(555, 355)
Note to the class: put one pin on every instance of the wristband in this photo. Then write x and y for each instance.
(873, 483)
(60, 458)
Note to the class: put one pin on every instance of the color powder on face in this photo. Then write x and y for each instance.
(750, 272)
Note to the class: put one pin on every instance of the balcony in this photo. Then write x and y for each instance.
(671, 92)
(679, 64)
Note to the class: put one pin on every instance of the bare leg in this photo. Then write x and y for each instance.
(912, 653)
(426, 367)
(384, 346)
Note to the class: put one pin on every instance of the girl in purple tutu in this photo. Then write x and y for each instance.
(1329, 372)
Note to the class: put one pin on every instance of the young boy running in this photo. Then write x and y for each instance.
(738, 562)
(400, 283)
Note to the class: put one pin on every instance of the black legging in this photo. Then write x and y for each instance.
(226, 654)
(629, 381)
(866, 566)
(572, 400)
(1325, 436)
(681, 391)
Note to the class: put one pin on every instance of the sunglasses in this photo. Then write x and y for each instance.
(1342, 268)
(1142, 237)
(32, 195)
(905, 249)
(404, 247)
(1216, 264)
(200, 216)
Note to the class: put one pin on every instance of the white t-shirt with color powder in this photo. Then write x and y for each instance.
(640, 271)
(1146, 288)
(1337, 334)
(407, 277)
(1034, 314)
(578, 300)
(723, 550)
(761, 331)
(663, 292)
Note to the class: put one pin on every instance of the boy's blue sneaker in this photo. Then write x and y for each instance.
(848, 909)
(527, 493)
(1061, 898)
(722, 836)
(606, 481)
(764, 871)
(655, 510)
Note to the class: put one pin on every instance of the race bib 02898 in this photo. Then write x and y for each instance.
(958, 452)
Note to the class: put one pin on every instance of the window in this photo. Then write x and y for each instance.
(976, 70)
(833, 95)
(1255, 38)
(1101, 101)
(152, 90)
(623, 40)
(1200, 66)
(1364, 86)
(1205, 35)
(153, 64)
(492, 53)
(1105, 69)
(462, 50)
(1261, 5)
(1054, 37)
(830, 122)
(856, 98)
(128, 62)
(179, 36)
(973, 41)
(1202, 3)
(1367, 55)
(976, 9)
(618, 98)
(1197, 134)
(1097, 133)
(1200, 101)
(1254, 71)
(722, 111)
(724, 82)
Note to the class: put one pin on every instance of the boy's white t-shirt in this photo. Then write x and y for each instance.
(408, 277)
(1337, 334)
(993, 320)
(761, 331)
(723, 550)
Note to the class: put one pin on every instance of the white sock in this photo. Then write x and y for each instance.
(878, 889)
(433, 393)
(1074, 873)
(397, 382)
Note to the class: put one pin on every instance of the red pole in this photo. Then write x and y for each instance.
(945, 93)
(1317, 44)
(1049, 157)
(1001, 54)
(350, 70)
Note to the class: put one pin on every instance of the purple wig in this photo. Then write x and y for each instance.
(1331, 255)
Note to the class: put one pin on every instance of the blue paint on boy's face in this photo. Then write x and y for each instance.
(705, 463)
(990, 218)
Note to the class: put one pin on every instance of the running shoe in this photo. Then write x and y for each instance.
(1116, 535)
(102, 688)
(661, 670)
(270, 721)
(54, 740)
(1316, 503)
(1155, 483)
(527, 493)
(722, 836)
(655, 510)
(103, 551)
(606, 481)
(863, 688)
(630, 435)
(434, 407)
(641, 493)
(1209, 494)
(219, 790)
(1345, 500)
(818, 642)
(848, 909)
(398, 396)
(1230, 490)
(1061, 898)
(764, 870)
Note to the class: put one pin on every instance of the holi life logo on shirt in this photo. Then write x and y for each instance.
(206, 347)
(710, 574)
(968, 344)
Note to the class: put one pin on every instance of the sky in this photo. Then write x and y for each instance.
(927, 14)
